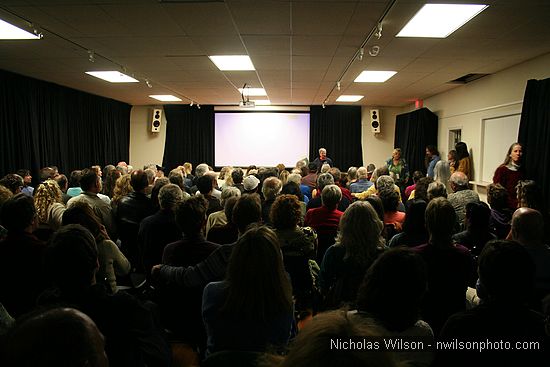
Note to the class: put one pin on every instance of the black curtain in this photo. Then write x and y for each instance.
(413, 132)
(338, 129)
(534, 134)
(44, 124)
(189, 135)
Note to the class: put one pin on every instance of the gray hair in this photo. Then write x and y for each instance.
(150, 175)
(323, 180)
(322, 150)
(294, 177)
(271, 188)
(442, 172)
(352, 173)
(325, 167)
(228, 192)
(170, 195)
(459, 179)
(362, 173)
(201, 169)
(331, 196)
(436, 189)
(383, 182)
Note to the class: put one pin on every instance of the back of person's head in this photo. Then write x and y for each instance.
(176, 179)
(259, 288)
(46, 173)
(376, 203)
(5, 195)
(13, 182)
(415, 221)
(75, 177)
(205, 184)
(246, 211)
(62, 182)
(23, 172)
(188, 168)
(506, 272)
(461, 150)
(228, 207)
(442, 172)
(478, 215)
(312, 167)
(107, 169)
(440, 221)
(335, 173)
(169, 196)
(294, 177)
(52, 338)
(159, 184)
(421, 189)
(71, 259)
(271, 188)
(323, 180)
(362, 173)
(286, 212)
(18, 213)
(384, 182)
(393, 289)
(46, 194)
(331, 196)
(191, 215)
(314, 345)
(417, 175)
(237, 176)
(528, 194)
(88, 180)
(228, 192)
(436, 190)
(528, 226)
(293, 188)
(389, 197)
(122, 188)
(352, 173)
(459, 181)
(150, 175)
(201, 169)
(82, 213)
(380, 171)
(497, 196)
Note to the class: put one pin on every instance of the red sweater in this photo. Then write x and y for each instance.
(509, 179)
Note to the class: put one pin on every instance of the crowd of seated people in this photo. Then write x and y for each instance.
(265, 265)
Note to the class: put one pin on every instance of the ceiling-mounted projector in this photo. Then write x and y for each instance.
(247, 104)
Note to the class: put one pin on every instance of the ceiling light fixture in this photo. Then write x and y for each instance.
(198, 106)
(349, 98)
(232, 62)
(378, 33)
(338, 85)
(191, 104)
(148, 83)
(113, 76)
(165, 98)
(370, 76)
(361, 53)
(247, 91)
(440, 20)
(261, 102)
(374, 51)
(10, 32)
(91, 56)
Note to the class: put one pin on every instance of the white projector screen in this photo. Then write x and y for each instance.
(260, 138)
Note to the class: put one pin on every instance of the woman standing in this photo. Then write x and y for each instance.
(464, 160)
(432, 157)
(453, 162)
(399, 167)
(509, 173)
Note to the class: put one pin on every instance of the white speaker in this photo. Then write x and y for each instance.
(375, 121)
(155, 121)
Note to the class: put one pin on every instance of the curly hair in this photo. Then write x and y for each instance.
(286, 212)
(497, 196)
(45, 195)
(122, 188)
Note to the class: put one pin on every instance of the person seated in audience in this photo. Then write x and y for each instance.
(358, 244)
(218, 218)
(111, 260)
(414, 227)
(391, 294)
(47, 173)
(310, 179)
(270, 189)
(283, 176)
(176, 177)
(304, 190)
(351, 177)
(362, 183)
(420, 191)
(417, 175)
(5, 195)
(200, 171)
(529, 195)
(442, 174)
(437, 190)
(21, 256)
(477, 232)
(461, 196)
(131, 336)
(158, 230)
(251, 310)
(27, 181)
(390, 202)
(106, 170)
(13, 182)
(224, 178)
(54, 337)
(205, 185)
(246, 211)
(528, 230)
(324, 180)
(450, 266)
(501, 215)
(292, 188)
(506, 275)
(6, 322)
(122, 167)
(49, 208)
(373, 190)
(250, 184)
(228, 232)
(150, 180)
(188, 173)
(74, 184)
(159, 184)
(337, 175)
(63, 186)
(325, 167)
(298, 245)
(237, 176)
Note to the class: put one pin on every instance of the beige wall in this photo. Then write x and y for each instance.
(145, 147)
(378, 147)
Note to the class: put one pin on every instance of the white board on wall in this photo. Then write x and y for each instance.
(498, 134)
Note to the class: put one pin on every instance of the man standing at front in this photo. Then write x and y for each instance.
(322, 159)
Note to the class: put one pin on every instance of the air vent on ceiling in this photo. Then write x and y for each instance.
(467, 78)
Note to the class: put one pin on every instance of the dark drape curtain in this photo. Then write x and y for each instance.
(189, 135)
(43, 124)
(338, 129)
(534, 134)
(413, 132)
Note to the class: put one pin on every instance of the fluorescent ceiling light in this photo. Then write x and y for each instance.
(440, 20)
(165, 98)
(10, 32)
(113, 76)
(253, 91)
(261, 102)
(232, 62)
(349, 98)
(370, 76)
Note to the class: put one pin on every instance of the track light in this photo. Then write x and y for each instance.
(191, 104)
(36, 30)
(323, 104)
(361, 53)
(338, 85)
(198, 106)
(91, 56)
(374, 50)
(148, 83)
(378, 33)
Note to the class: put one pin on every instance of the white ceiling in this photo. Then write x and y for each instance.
(300, 48)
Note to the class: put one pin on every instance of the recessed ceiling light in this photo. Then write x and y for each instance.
(165, 98)
(261, 102)
(349, 98)
(440, 20)
(370, 76)
(253, 91)
(232, 62)
(10, 32)
(113, 76)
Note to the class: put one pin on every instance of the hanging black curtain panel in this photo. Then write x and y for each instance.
(43, 124)
(338, 130)
(534, 135)
(413, 132)
(189, 135)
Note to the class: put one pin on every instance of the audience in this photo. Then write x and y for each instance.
(27, 180)
(270, 189)
(414, 229)
(417, 175)
(461, 196)
(13, 182)
(323, 180)
(310, 179)
(218, 218)
(362, 183)
(205, 185)
(227, 233)
(501, 215)
(437, 190)
(477, 232)
(49, 206)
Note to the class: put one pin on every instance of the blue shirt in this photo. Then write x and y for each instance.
(432, 164)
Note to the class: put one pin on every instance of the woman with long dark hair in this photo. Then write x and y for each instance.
(510, 172)
(464, 160)
(251, 309)
(432, 157)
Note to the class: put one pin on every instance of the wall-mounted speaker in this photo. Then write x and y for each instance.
(375, 121)
(155, 121)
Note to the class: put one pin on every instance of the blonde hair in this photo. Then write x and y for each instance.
(122, 188)
(45, 195)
